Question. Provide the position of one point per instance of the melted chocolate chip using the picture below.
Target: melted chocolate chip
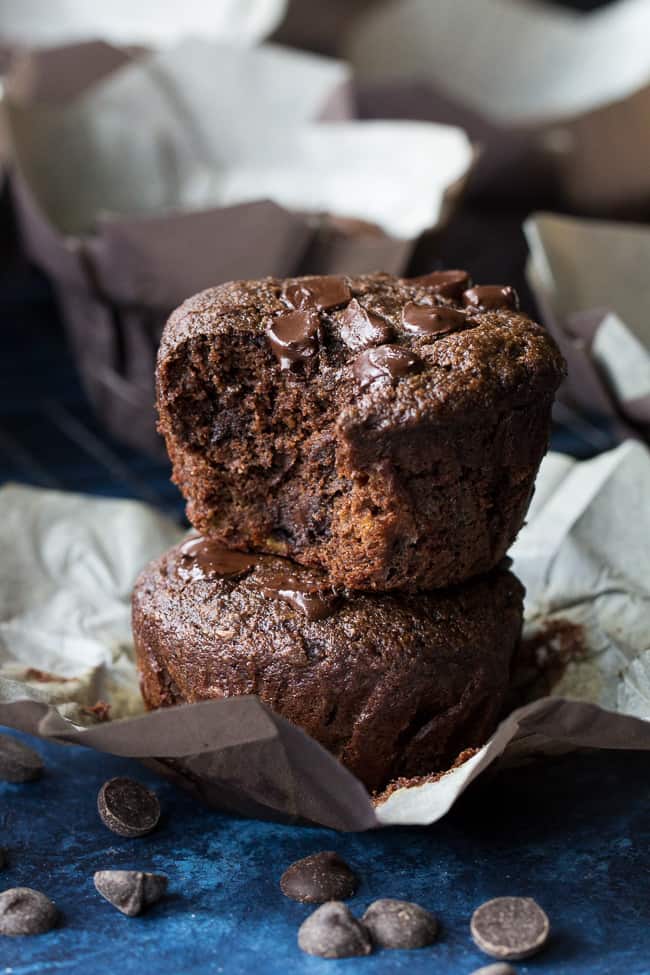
(302, 589)
(323, 292)
(429, 319)
(384, 362)
(294, 336)
(449, 284)
(214, 560)
(487, 297)
(361, 328)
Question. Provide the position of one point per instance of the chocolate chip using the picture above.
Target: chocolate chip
(322, 292)
(510, 927)
(127, 807)
(400, 924)
(26, 911)
(318, 878)
(18, 763)
(429, 319)
(332, 932)
(449, 284)
(212, 559)
(499, 968)
(130, 891)
(384, 362)
(303, 589)
(361, 328)
(488, 297)
(294, 336)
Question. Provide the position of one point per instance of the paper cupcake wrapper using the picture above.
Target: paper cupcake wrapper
(69, 564)
(562, 97)
(591, 284)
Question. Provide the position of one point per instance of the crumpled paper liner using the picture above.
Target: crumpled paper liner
(151, 22)
(65, 581)
(565, 93)
(590, 279)
(244, 168)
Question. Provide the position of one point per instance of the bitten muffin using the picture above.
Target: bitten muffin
(385, 430)
(396, 684)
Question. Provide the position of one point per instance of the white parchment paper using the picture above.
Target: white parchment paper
(591, 281)
(205, 125)
(69, 563)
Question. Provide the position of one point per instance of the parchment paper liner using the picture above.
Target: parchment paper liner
(590, 279)
(558, 99)
(69, 564)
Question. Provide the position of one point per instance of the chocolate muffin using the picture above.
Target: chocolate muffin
(385, 430)
(394, 684)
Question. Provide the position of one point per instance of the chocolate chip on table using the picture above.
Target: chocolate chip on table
(318, 878)
(130, 891)
(127, 807)
(26, 911)
(499, 968)
(333, 932)
(18, 763)
(400, 924)
(510, 927)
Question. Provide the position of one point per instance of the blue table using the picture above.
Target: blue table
(572, 832)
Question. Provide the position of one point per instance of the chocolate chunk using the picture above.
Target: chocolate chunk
(26, 911)
(318, 878)
(510, 927)
(215, 560)
(429, 319)
(499, 968)
(488, 297)
(333, 932)
(400, 924)
(361, 328)
(322, 292)
(303, 589)
(449, 284)
(384, 362)
(130, 891)
(294, 336)
(127, 807)
(18, 763)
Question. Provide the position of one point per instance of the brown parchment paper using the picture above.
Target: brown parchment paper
(552, 92)
(69, 563)
(590, 279)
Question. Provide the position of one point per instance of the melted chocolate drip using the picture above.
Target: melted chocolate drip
(449, 284)
(302, 589)
(361, 328)
(385, 362)
(294, 336)
(488, 297)
(214, 560)
(429, 319)
(323, 292)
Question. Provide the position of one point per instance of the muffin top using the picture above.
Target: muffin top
(414, 345)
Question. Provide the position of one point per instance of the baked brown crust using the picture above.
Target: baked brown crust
(394, 685)
(416, 481)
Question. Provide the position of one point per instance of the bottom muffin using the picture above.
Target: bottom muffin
(395, 685)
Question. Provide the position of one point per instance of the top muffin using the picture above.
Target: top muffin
(386, 430)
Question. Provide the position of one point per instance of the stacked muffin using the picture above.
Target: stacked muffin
(358, 453)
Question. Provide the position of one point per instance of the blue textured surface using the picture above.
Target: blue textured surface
(574, 833)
